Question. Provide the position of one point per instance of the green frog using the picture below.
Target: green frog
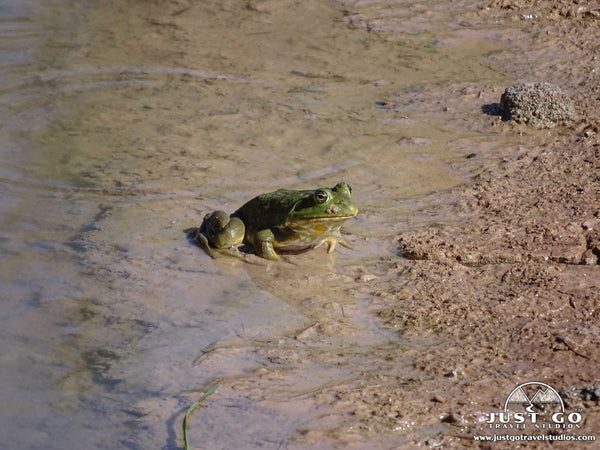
(285, 219)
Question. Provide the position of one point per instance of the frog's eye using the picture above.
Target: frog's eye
(321, 196)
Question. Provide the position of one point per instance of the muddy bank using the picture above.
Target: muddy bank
(510, 288)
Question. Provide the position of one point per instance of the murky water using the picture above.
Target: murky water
(121, 123)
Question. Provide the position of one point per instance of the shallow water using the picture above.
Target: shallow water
(122, 123)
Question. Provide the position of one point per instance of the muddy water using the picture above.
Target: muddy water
(123, 122)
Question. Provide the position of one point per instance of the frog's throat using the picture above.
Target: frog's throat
(310, 233)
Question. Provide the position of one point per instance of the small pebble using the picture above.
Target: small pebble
(589, 258)
(366, 277)
(450, 418)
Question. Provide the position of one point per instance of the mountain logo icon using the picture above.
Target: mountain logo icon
(541, 395)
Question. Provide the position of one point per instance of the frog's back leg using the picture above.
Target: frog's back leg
(221, 230)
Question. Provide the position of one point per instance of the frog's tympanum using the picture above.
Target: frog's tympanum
(285, 219)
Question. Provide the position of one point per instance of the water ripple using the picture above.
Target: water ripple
(110, 78)
(57, 189)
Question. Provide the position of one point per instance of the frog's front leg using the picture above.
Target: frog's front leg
(220, 230)
(263, 244)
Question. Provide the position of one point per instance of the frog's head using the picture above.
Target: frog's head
(324, 204)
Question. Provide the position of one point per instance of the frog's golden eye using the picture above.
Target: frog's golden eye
(321, 196)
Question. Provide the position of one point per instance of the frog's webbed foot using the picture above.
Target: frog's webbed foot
(203, 243)
(343, 243)
(331, 243)
(196, 235)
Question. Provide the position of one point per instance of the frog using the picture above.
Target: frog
(283, 220)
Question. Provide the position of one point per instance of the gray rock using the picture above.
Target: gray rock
(541, 105)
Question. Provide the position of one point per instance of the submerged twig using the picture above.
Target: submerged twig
(570, 346)
(191, 409)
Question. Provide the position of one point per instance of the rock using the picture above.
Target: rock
(541, 105)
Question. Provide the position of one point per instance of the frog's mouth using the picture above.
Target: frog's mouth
(304, 220)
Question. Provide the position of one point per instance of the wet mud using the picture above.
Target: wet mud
(475, 255)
